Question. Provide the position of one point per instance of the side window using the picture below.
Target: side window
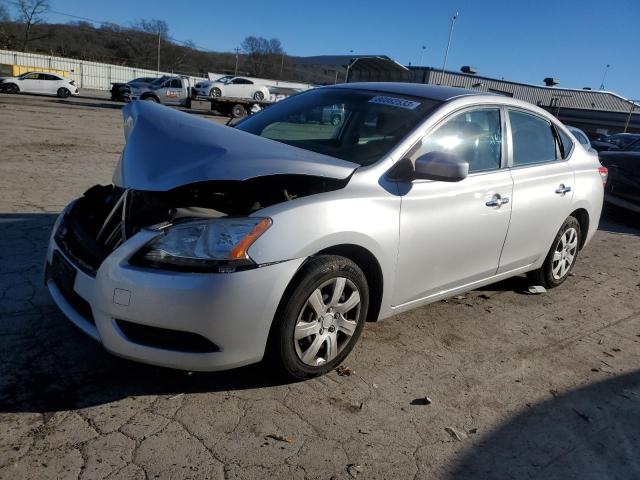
(565, 142)
(31, 76)
(175, 83)
(533, 139)
(475, 136)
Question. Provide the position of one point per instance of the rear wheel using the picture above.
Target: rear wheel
(561, 257)
(63, 93)
(238, 111)
(321, 317)
(12, 88)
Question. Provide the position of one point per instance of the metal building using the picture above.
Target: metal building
(595, 112)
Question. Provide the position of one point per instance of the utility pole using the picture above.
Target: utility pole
(422, 55)
(446, 52)
(604, 76)
(236, 70)
(632, 106)
(282, 66)
(159, 36)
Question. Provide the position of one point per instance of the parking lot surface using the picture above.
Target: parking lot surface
(497, 383)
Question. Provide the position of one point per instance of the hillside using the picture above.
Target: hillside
(137, 48)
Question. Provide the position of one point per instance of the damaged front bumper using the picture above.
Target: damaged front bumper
(191, 321)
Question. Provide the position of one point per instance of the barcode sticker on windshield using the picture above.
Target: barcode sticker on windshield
(395, 102)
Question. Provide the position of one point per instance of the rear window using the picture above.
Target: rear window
(356, 125)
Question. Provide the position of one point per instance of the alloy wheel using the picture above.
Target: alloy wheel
(327, 321)
(565, 253)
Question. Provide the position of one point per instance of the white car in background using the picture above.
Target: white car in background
(237, 87)
(40, 82)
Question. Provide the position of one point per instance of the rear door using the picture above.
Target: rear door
(50, 83)
(542, 188)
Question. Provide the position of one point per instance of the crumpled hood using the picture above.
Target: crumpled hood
(167, 148)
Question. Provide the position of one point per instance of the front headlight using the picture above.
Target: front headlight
(216, 245)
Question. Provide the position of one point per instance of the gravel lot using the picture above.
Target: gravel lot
(521, 386)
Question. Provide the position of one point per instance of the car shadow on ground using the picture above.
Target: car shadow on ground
(46, 364)
(589, 433)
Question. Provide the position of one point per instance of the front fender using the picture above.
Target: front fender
(303, 227)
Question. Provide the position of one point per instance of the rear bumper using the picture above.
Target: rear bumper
(233, 312)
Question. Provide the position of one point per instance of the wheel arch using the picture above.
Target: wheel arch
(582, 216)
(371, 268)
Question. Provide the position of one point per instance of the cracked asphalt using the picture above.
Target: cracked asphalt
(520, 386)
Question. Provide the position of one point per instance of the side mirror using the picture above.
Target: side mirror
(441, 166)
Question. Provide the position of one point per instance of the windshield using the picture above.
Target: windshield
(360, 126)
(224, 79)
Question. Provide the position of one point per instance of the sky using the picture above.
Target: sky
(520, 40)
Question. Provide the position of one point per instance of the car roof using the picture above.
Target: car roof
(433, 92)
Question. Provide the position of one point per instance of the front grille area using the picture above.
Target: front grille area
(166, 339)
(93, 227)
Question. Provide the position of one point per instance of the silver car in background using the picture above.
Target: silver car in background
(216, 247)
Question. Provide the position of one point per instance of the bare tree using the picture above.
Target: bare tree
(262, 53)
(30, 12)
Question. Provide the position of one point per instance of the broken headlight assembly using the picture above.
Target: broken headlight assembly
(216, 245)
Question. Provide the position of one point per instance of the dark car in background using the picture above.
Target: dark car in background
(623, 184)
(118, 90)
(617, 141)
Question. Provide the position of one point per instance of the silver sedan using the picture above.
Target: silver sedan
(217, 247)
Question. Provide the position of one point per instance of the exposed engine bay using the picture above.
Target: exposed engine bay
(106, 216)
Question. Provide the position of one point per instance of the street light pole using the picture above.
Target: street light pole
(606, 69)
(422, 55)
(235, 74)
(446, 52)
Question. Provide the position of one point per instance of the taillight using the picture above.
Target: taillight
(604, 174)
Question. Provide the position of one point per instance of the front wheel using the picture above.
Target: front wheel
(321, 317)
(561, 257)
(11, 88)
(215, 92)
(150, 98)
(259, 96)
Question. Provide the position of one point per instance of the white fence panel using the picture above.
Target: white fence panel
(94, 75)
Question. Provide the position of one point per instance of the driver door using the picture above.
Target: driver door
(31, 83)
(452, 233)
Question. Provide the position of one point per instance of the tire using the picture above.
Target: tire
(215, 92)
(561, 257)
(11, 88)
(335, 120)
(238, 111)
(63, 93)
(259, 96)
(150, 98)
(332, 335)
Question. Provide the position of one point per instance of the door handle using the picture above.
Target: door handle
(497, 201)
(562, 189)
